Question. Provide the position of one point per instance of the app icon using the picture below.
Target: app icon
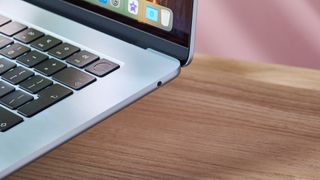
(104, 1)
(133, 6)
(115, 3)
(152, 13)
(165, 17)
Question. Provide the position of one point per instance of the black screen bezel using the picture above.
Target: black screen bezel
(116, 28)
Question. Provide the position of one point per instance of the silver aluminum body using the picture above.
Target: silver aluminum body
(140, 72)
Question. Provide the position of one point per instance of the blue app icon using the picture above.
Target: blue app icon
(152, 13)
(104, 1)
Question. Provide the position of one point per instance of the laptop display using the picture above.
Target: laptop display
(169, 19)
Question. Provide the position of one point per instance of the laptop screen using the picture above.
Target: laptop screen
(168, 19)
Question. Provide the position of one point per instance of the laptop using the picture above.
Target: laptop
(66, 65)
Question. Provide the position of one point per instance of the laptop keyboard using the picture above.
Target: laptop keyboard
(61, 68)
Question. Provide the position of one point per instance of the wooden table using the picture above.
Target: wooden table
(221, 119)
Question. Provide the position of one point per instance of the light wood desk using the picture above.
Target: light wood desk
(220, 119)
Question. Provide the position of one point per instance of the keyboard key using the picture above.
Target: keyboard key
(12, 28)
(17, 75)
(4, 20)
(28, 35)
(47, 98)
(8, 120)
(82, 59)
(14, 51)
(45, 43)
(5, 89)
(74, 78)
(35, 84)
(32, 58)
(4, 42)
(63, 51)
(102, 67)
(6, 65)
(50, 67)
(16, 99)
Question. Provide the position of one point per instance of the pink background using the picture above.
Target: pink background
(273, 31)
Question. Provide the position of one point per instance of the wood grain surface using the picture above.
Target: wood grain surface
(221, 119)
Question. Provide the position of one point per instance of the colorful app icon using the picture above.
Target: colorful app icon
(133, 7)
(104, 1)
(165, 17)
(152, 13)
(115, 3)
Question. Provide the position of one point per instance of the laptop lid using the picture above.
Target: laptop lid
(167, 26)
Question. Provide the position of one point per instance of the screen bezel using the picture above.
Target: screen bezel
(122, 31)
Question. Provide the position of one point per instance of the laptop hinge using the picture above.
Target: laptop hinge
(162, 54)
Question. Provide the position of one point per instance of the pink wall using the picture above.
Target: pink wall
(275, 31)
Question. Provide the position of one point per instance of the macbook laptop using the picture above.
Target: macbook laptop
(66, 65)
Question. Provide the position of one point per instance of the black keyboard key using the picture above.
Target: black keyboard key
(35, 84)
(14, 51)
(5, 89)
(102, 67)
(17, 75)
(16, 99)
(50, 67)
(47, 98)
(12, 28)
(32, 58)
(82, 59)
(4, 20)
(4, 42)
(63, 51)
(8, 120)
(28, 35)
(6, 65)
(45, 43)
(74, 78)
